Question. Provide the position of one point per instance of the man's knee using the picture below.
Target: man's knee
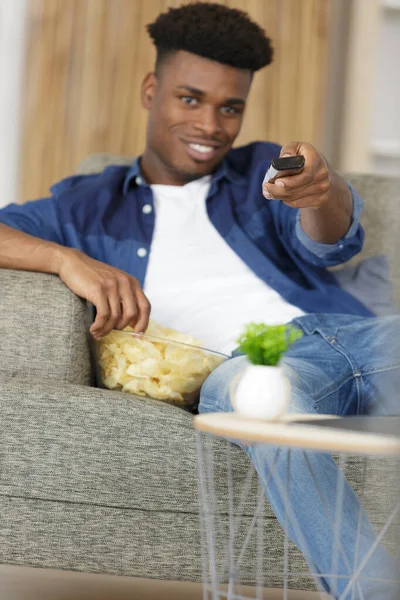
(215, 393)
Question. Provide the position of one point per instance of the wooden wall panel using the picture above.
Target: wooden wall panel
(86, 60)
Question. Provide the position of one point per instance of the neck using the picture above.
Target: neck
(156, 172)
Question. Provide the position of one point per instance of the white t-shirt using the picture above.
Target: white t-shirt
(195, 282)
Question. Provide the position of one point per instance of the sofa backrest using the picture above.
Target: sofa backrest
(43, 329)
(380, 219)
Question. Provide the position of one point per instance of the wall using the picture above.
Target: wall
(12, 66)
(385, 131)
(86, 60)
(370, 121)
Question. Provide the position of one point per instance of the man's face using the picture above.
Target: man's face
(196, 109)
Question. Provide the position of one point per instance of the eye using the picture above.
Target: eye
(230, 110)
(189, 100)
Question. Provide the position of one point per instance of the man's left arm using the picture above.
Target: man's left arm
(329, 208)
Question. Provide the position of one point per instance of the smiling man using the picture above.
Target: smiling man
(192, 223)
(195, 112)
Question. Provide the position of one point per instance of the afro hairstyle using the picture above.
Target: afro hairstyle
(213, 31)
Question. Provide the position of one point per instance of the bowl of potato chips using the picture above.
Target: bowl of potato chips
(162, 364)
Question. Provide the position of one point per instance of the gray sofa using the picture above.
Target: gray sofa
(104, 482)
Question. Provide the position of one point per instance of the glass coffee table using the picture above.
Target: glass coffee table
(364, 439)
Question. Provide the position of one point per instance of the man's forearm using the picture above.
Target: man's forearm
(331, 221)
(25, 252)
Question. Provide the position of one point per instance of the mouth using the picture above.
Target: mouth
(202, 152)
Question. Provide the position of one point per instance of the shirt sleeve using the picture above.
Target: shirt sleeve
(38, 218)
(326, 255)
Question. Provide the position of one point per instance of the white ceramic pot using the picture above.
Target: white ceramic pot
(261, 392)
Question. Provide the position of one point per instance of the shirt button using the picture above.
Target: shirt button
(147, 208)
(341, 246)
(139, 180)
(142, 252)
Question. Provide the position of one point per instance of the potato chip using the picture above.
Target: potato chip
(161, 369)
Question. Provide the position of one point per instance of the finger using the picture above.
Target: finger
(290, 149)
(310, 153)
(307, 196)
(320, 190)
(114, 301)
(305, 177)
(102, 314)
(314, 162)
(291, 182)
(282, 191)
(278, 190)
(130, 311)
(303, 180)
(144, 307)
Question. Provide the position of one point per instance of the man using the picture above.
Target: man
(192, 224)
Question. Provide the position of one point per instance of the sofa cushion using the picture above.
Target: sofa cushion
(42, 332)
(77, 444)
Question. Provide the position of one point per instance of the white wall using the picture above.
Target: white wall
(385, 140)
(370, 123)
(12, 53)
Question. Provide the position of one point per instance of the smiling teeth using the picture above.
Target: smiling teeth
(203, 149)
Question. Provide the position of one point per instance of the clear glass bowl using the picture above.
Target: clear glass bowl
(155, 367)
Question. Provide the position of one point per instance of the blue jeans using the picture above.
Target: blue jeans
(343, 365)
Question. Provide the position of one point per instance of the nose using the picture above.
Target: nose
(208, 121)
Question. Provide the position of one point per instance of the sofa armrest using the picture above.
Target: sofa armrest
(43, 329)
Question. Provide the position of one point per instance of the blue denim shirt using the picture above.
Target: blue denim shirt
(110, 216)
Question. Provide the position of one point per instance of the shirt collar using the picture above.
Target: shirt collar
(134, 175)
(224, 171)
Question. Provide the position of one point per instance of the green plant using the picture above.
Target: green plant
(265, 344)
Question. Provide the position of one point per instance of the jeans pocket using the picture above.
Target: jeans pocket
(344, 399)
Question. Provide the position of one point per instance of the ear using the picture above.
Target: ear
(147, 90)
